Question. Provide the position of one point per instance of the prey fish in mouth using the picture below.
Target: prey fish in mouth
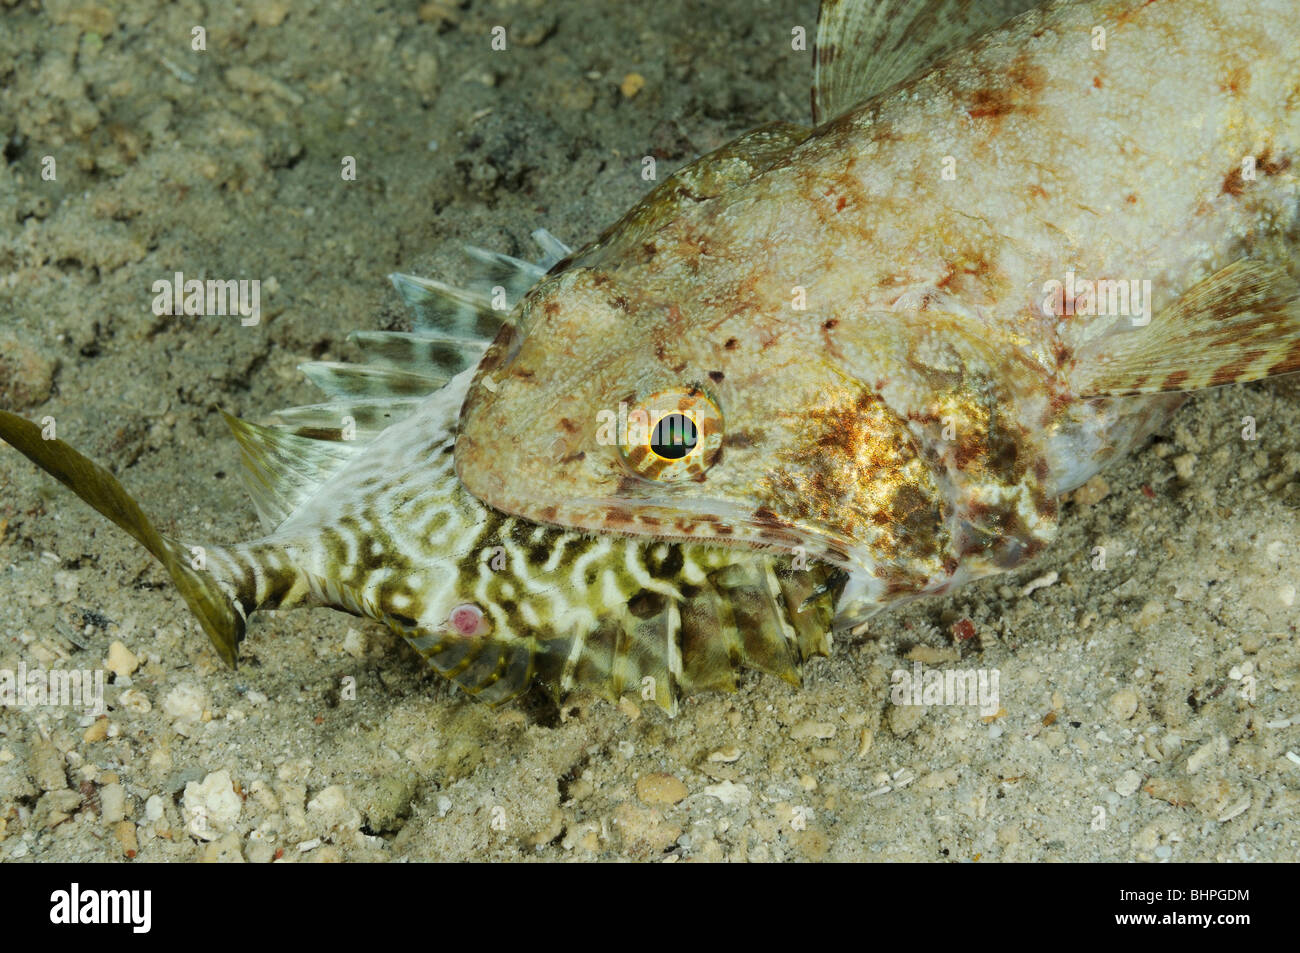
(997, 261)
(363, 513)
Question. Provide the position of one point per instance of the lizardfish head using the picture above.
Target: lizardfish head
(608, 409)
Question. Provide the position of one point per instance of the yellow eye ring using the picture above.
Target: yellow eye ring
(675, 434)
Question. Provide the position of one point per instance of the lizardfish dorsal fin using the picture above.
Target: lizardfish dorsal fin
(1240, 324)
(492, 286)
(866, 46)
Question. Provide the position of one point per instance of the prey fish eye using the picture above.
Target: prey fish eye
(675, 434)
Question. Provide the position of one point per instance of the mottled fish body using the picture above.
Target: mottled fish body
(894, 339)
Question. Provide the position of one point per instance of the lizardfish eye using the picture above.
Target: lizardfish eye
(467, 620)
(675, 434)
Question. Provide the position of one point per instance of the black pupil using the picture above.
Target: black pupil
(674, 436)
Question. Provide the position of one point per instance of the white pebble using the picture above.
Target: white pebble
(331, 809)
(354, 643)
(121, 661)
(186, 702)
(112, 802)
(153, 808)
(1042, 582)
(1128, 783)
(211, 807)
(729, 793)
(134, 700)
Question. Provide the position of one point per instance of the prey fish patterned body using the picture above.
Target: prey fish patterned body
(364, 514)
(894, 339)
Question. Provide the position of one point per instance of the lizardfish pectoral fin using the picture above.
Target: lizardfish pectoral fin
(1240, 324)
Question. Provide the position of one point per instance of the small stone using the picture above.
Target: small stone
(1042, 582)
(258, 849)
(642, 830)
(54, 807)
(330, 809)
(223, 850)
(820, 730)
(1092, 492)
(186, 702)
(632, 84)
(97, 731)
(938, 780)
(660, 788)
(825, 754)
(1185, 466)
(1286, 595)
(153, 808)
(437, 10)
(135, 701)
(424, 75)
(124, 831)
(725, 755)
(66, 585)
(630, 708)
(865, 740)
(930, 655)
(211, 807)
(354, 643)
(1200, 757)
(26, 374)
(1128, 783)
(270, 13)
(1123, 704)
(121, 661)
(112, 803)
(45, 766)
(729, 793)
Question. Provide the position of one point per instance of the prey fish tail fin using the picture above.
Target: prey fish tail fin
(221, 586)
(1240, 324)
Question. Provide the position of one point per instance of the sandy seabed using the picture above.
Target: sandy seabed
(1147, 710)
